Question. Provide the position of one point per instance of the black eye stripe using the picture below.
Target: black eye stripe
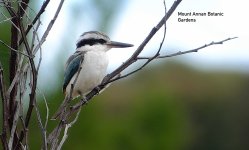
(90, 42)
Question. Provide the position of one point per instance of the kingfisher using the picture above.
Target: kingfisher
(88, 63)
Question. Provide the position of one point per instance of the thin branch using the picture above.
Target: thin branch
(49, 27)
(39, 119)
(47, 108)
(35, 35)
(25, 130)
(13, 83)
(13, 62)
(6, 20)
(170, 55)
(22, 7)
(12, 21)
(34, 80)
(22, 91)
(9, 8)
(14, 49)
(14, 125)
(66, 129)
(43, 129)
(37, 17)
(192, 50)
(151, 58)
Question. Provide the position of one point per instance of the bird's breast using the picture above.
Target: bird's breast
(93, 70)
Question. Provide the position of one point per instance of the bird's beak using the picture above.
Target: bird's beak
(114, 44)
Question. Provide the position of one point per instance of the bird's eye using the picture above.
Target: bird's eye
(90, 42)
(101, 41)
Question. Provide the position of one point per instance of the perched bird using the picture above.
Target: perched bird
(91, 60)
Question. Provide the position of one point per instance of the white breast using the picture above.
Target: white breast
(92, 72)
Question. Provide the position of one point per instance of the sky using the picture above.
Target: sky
(137, 17)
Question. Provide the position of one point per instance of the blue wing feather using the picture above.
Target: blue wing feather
(72, 66)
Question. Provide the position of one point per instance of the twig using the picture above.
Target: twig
(13, 62)
(22, 7)
(9, 8)
(66, 129)
(43, 7)
(192, 50)
(149, 59)
(35, 34)
(43, 129)
(47, 108)
(7, 19)
(49, 27)
(16, 78)
(14, 125)
(14, 49)
(34, 80)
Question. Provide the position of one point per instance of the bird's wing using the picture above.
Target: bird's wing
(72, 66)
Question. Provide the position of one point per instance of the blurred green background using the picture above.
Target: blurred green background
(168, 105)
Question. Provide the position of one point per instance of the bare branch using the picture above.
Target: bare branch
(12, 60)
(166, 56)
(148, 60)
(21, 63)
(10, 9)
(7, 19)
(49, 27)
(22, 7)
(43, 129)
(34, 75)
(192, 50)
(66, 129)
(47, 108)
(37, 17)
(14, 81)
(14, 49)
(14, 125)
(4, 109)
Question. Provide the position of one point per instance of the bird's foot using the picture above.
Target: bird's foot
(84, 100)
(97, 89)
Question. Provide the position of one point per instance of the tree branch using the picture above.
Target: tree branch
(22, 69)
(33, 80)
(4, 109)
(37, 17)
(192, 50)
(49, 27)
(22, 7)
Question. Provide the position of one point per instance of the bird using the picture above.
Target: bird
(86, 68)
(91, 60)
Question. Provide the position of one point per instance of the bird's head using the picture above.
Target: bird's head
(94, 40)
